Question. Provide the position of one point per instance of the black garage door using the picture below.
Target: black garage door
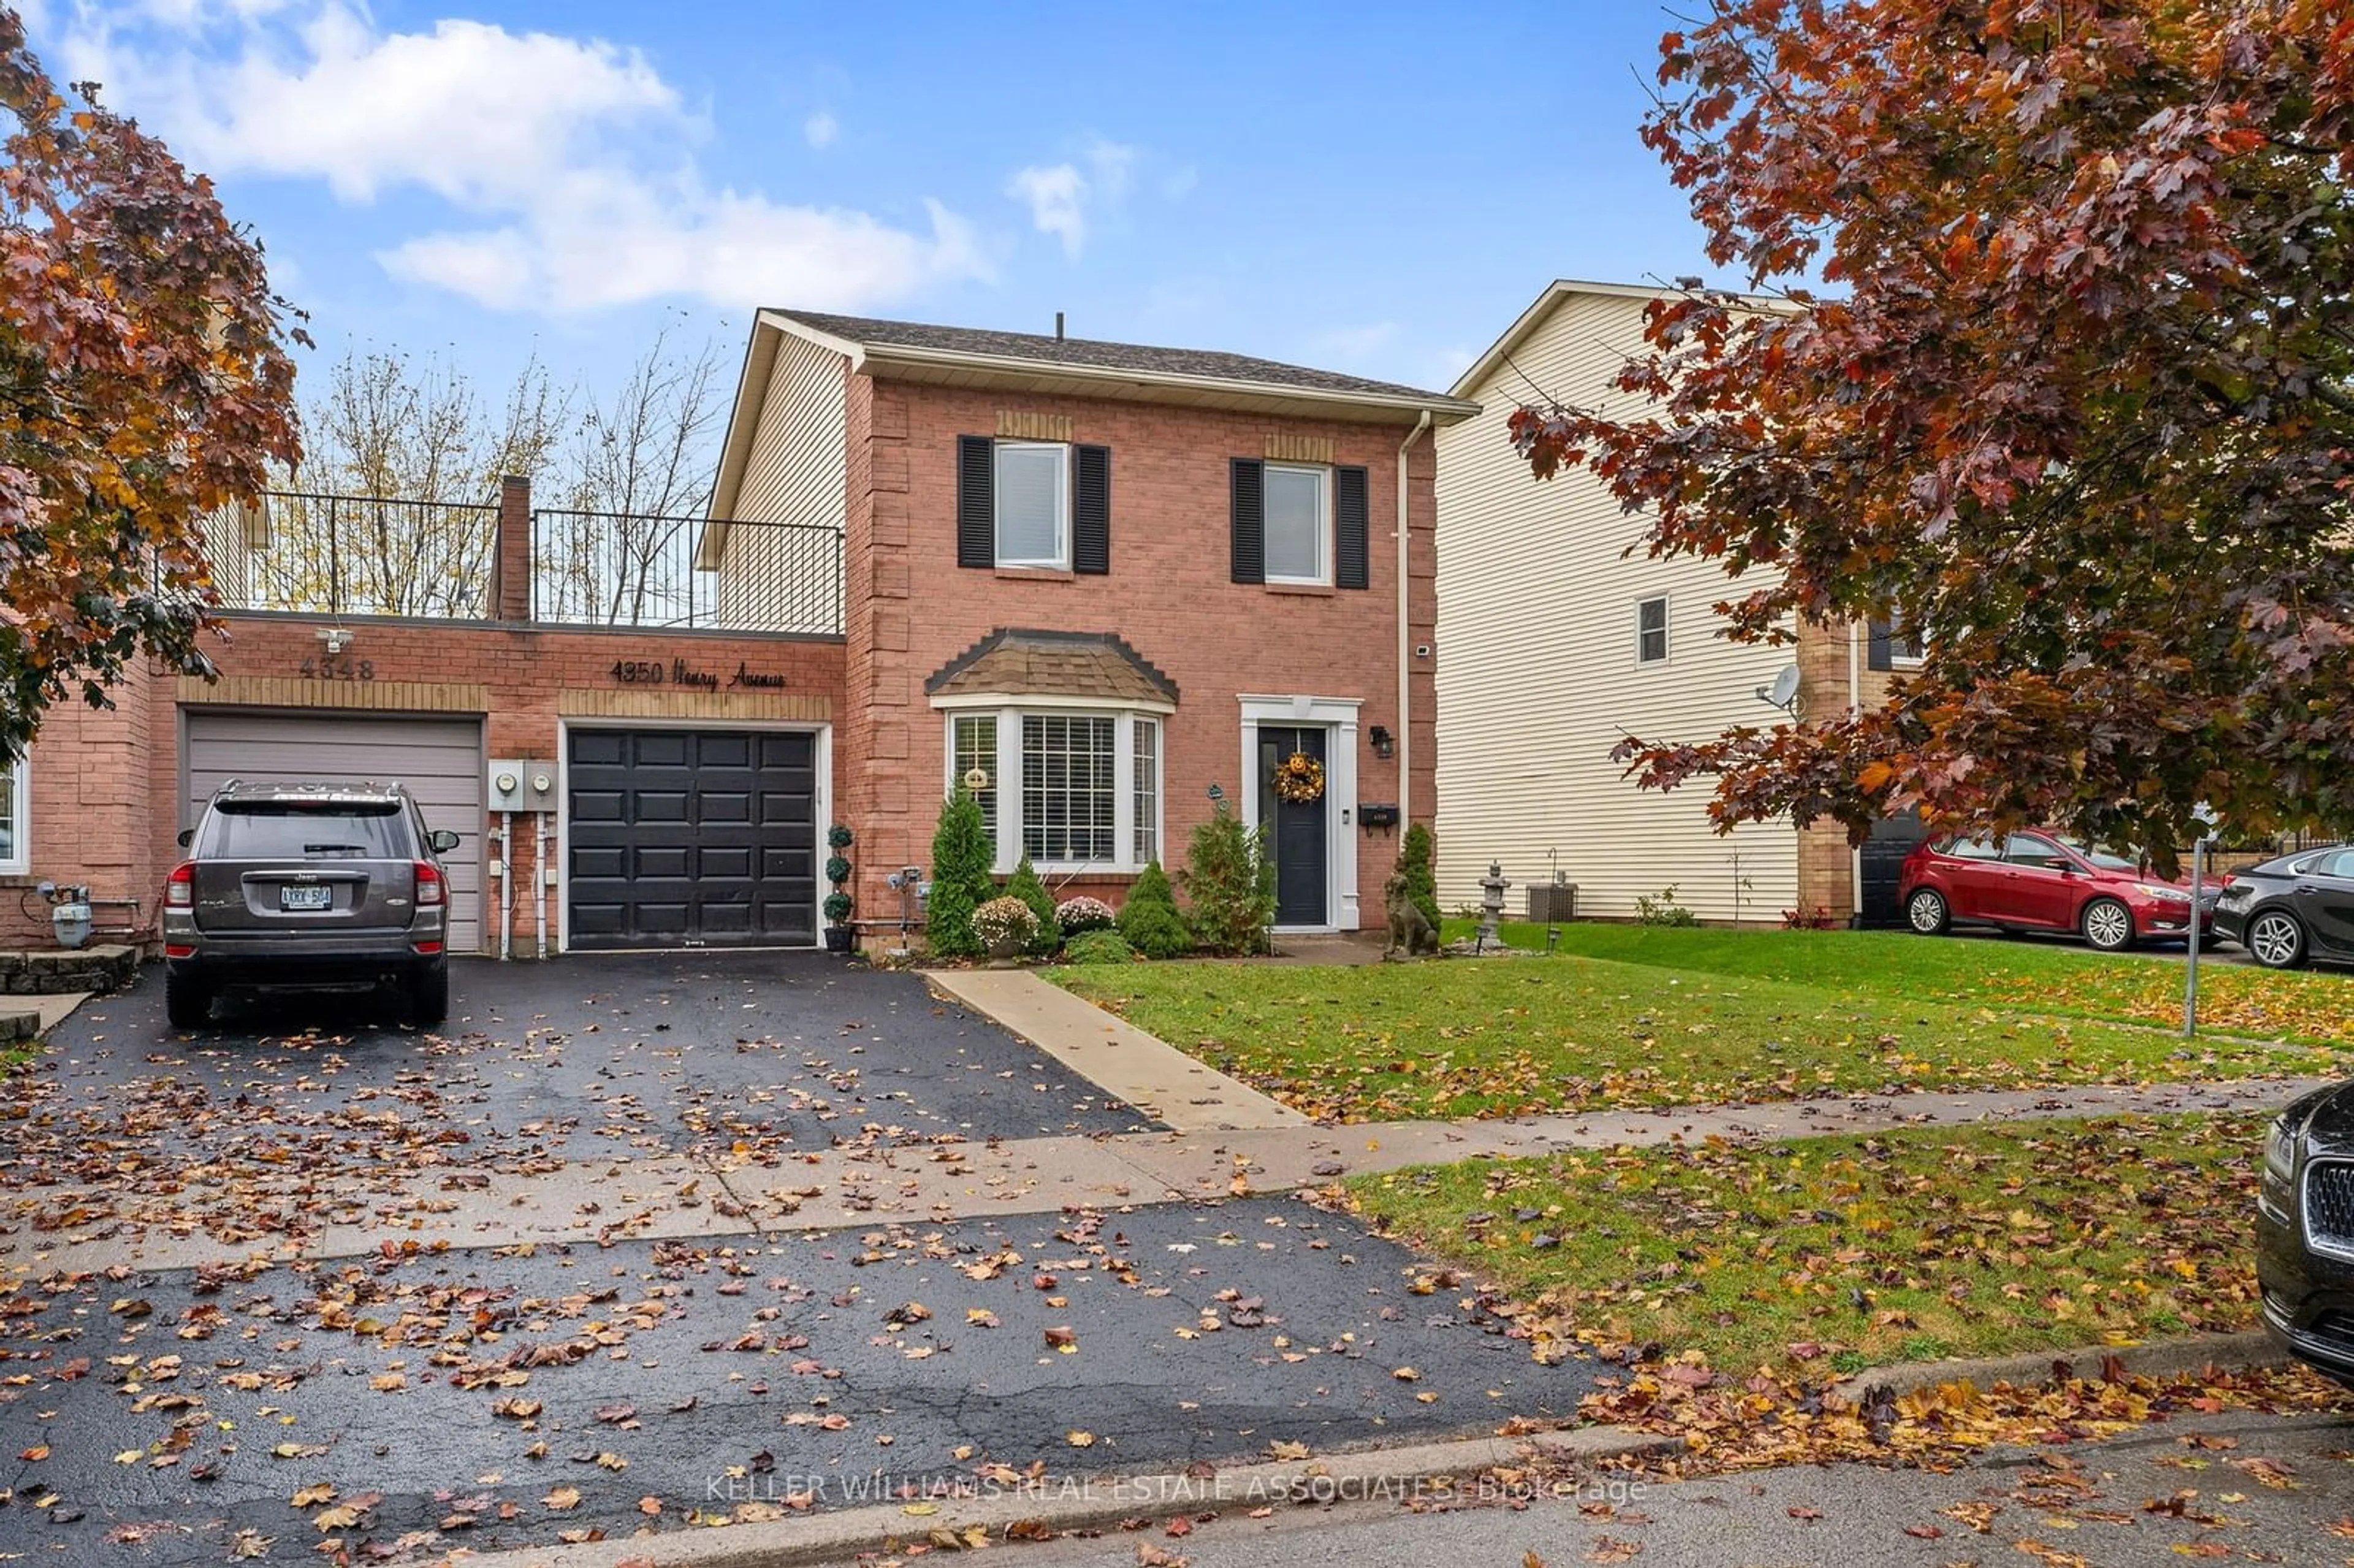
(692, 838)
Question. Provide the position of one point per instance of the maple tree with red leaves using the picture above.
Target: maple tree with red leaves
(2074, 401)
(145, 383)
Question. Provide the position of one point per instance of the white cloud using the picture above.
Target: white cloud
(1057, 198)
(1059, 195)
(819, 129)
(569, 161)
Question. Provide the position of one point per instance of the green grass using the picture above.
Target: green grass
(1830, 1255)
(1506, 1037)
(2317, 1006)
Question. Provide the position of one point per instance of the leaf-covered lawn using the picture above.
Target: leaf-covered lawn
(1829, 1255)
(2314, 1005)
(1508, 1037)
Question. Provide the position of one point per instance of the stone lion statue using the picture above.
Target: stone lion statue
(1410, 928)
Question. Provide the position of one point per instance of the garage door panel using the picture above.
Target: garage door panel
(438, 760)
(715, 830)
(727, 861)
(654, 863)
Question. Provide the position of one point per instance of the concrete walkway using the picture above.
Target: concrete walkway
(1223, 1139)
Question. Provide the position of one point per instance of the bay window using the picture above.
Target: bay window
(1074, 787)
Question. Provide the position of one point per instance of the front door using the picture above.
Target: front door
(2325, 900)
(2039, 890)
(1296, 829)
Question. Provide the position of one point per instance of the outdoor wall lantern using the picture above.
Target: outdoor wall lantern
(1384, 743)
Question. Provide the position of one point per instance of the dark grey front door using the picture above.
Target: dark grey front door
(1295, 830)
(1891, 840)
(692, 838)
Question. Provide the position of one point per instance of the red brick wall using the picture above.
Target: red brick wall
(1169, 594)
(106, 784)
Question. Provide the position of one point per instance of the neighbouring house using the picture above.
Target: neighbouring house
(1558, 642)
(1099, 580)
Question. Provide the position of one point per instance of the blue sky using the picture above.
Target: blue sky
(1368, 187)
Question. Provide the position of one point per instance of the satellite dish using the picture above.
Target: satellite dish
(1783, 692)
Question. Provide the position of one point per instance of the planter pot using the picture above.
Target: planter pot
(840, 939)
(1005, 952)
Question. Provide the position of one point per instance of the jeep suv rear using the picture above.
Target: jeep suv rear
(307, 885)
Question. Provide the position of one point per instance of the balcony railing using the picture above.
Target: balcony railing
(355, 555)
(319, 554)
(614, 568)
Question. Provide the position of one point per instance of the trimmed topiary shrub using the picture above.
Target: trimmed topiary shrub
(1230, 881)
(1413, 860)
(1081, 914)
(1150, 920)
(1024, 884)
(961, 884)
(1100, 945)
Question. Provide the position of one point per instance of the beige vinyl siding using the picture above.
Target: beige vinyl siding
(1537, 675)
(769, 577)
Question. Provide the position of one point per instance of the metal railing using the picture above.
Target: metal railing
(315, 553)
(618, 568)
(355, 554)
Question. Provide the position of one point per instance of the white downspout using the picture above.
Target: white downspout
(539, 880)
(1854, 707)
(1406, 637)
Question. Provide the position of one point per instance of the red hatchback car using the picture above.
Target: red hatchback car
(2042, 882)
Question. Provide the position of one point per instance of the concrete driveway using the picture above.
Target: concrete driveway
(645, 1243)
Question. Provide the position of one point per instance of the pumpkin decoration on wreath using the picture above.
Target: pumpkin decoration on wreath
(1299, 779)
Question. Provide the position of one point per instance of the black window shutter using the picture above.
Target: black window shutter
(976, 500)
(1877, 655)
(1091, 509)
(1350, 566)
(1249, 487)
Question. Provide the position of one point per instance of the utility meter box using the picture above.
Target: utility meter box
(522, 784)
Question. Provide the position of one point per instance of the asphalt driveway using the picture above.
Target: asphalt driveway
(304, 1372)
(756, 1058)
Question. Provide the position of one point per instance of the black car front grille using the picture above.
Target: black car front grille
(2329, 1205)
(2338, 1328)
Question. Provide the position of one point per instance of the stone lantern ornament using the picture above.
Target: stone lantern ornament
(1492, 906)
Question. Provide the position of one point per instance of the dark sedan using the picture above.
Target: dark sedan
(2293, 909)
(2305, 1231)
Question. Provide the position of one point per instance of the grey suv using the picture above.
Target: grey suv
(307, 885)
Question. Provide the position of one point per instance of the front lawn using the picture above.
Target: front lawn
(1829, 1255)
(1513, 1036)
(2314, 1005)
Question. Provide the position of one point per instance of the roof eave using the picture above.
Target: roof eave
(1561, 289)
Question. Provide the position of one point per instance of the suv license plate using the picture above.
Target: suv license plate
(306, 897)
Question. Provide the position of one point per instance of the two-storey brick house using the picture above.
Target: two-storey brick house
(1099, 581)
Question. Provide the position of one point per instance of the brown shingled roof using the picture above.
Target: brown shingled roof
(1094, 355)
(1014, 662)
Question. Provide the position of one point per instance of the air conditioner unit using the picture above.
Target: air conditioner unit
(1552, 903)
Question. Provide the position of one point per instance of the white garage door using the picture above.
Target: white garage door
(438, 760)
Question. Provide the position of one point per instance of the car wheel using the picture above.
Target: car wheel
(187, 1000)
(2275, 940)
(1926, 913)
(428, 995)
(2108, 925)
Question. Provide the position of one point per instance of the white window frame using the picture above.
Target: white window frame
(1006, 777)
(1667, 629)
(1324, 531)
(1061, 559)
(1897, 638)
(19, 772)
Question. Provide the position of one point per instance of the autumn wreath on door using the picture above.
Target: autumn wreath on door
(1299, 779)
